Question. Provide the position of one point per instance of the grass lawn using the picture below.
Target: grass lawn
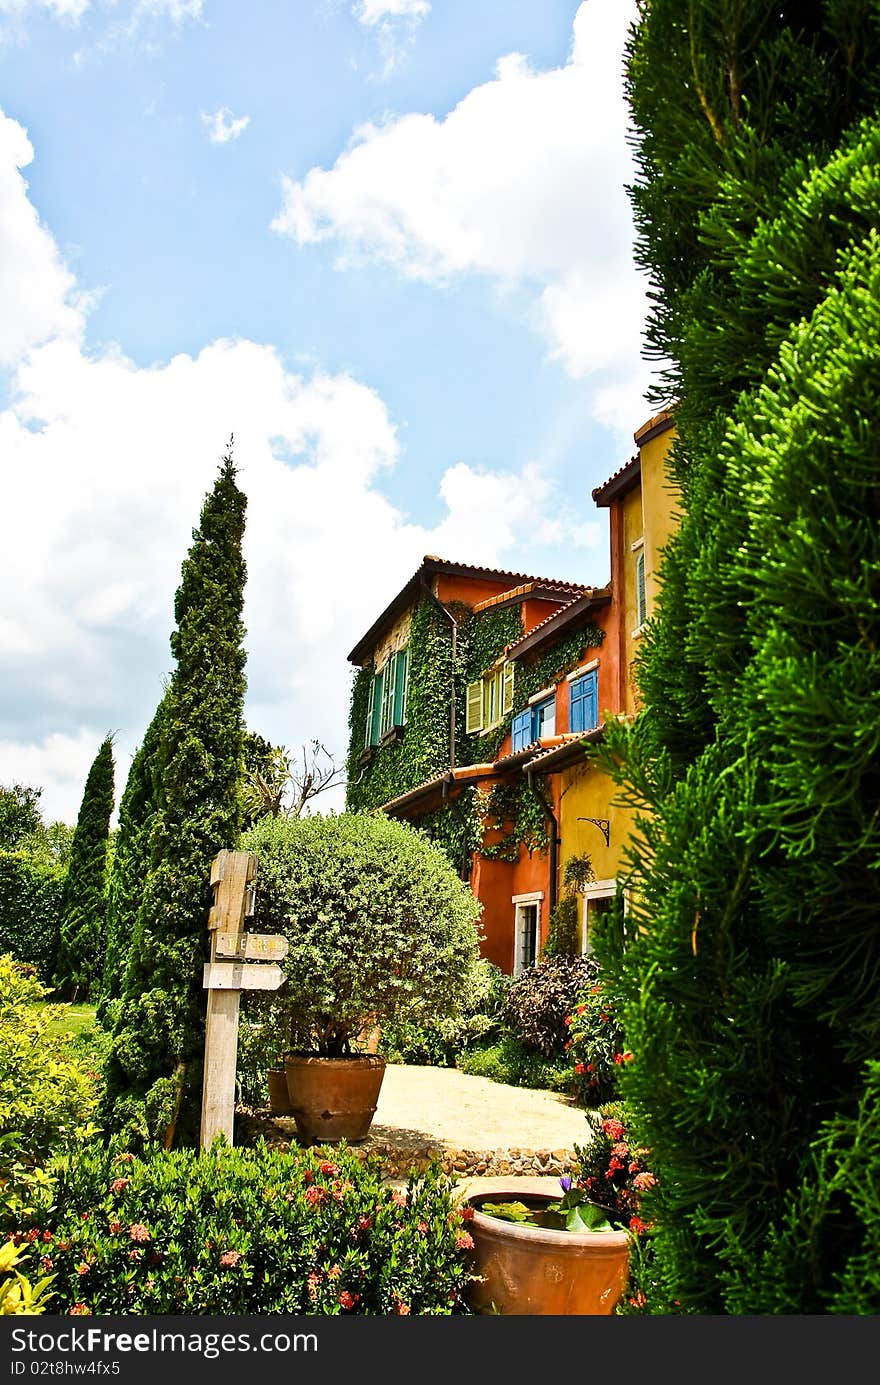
(75, 1020)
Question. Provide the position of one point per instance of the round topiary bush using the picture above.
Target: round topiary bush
(380, 926)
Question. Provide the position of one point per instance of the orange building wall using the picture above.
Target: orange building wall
(468, 590)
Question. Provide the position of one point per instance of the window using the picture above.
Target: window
(489, 699)
(598, 903)
(386, 705)
(526, 931)
(584, 702)
(536, 721)
(641, 604)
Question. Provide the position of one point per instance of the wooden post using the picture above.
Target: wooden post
(231, 876)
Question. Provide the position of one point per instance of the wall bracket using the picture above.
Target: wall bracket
(603, 825)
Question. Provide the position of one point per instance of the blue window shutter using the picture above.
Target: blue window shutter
(592, 701)
(576, 705)
(402, 658)
(521, 731)
(584, 702)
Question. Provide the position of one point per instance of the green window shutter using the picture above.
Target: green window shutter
(388, 692)
(641, 602)
(507, 682)
(400, 682)
(474, 707)
(368, 729)
(378, 688)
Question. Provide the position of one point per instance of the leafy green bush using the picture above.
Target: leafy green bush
(510, 1061)
(246, 1231)
(30, 909)
(379, 924)
(48, 1095)
(540, 999)
(439, 1044)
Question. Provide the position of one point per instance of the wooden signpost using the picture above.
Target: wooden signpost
(232, 876)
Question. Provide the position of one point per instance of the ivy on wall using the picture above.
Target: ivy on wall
(422, 753)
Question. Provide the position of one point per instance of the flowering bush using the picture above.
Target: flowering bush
(595, 1047)
(244, 1231)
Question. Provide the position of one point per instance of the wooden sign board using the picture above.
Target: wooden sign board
(241, 976)
(252, 947)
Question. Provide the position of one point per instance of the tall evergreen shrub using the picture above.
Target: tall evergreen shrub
(80, 959)
(750, 994)
(155, 1070)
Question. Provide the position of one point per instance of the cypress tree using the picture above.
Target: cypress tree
(131, 858)
(750, 992)
(155, 1070)
(84, 899)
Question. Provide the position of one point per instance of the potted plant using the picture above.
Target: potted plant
(380, 928)
(561, 1246)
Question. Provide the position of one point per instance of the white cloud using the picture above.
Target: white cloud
(523, 181)
(37, 290)
(223, 126)
(105, 465)
(372, 12)
(62, 9)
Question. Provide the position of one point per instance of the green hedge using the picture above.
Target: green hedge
(30, 909)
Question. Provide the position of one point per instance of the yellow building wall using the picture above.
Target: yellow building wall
(588, 792)
(659, 502)
(631, 513)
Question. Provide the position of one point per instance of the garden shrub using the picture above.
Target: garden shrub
(48, 1094)
(30, 909)
(511, 1062)
(539, 1001)
(380, 926)
(562, 936)
(596, 1046)
(441, 1043)
(246, 1231)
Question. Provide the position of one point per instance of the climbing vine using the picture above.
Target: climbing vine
(382, 772)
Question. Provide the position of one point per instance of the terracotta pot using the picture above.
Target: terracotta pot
(526, 1269)
(279, 1100)
(333, 1099)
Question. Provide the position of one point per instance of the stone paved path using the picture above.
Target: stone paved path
(473, 1125)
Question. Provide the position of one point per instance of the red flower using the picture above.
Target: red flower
(467, 1213)
(82, 1269)
(620, 1149)
(326, 1167)
(315, 1195)
(118, 1184)
(47, 1235)
(402, 1309)
(612, 1128)
(138, 1232)
(464, 1240)
(398, 1198)
(79, 1310)
(364, 1223)
(348, 1300)
(45, 1264)
(644, 1180)
(230, 1257)
(32, 1234)
(115, 1227)
(579, 1068)
(637, 1225)
(123, 1158)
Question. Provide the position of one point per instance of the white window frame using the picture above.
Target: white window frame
(597, 889)
(521, 902)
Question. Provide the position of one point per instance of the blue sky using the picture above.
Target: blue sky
(385, 243)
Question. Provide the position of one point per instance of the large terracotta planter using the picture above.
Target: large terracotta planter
(333, 1099)
(279, 1098)
(526, 1269)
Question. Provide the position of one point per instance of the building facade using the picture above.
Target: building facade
(476, 694)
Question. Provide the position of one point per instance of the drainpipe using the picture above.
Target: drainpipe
(554, 835)
(450, 617)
